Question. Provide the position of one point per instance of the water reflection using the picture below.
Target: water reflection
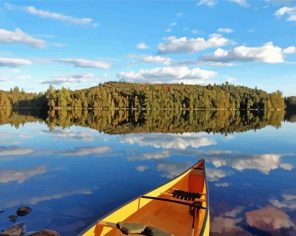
(167, 121)
(88, 173)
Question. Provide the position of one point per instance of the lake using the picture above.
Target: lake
(74, 167)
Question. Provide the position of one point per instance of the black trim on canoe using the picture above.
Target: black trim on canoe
(122, 205)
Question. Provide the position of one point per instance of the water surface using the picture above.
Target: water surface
(74, 168)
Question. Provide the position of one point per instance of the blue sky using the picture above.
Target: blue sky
(82, 43)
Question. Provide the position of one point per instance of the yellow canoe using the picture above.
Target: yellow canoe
(180, 207)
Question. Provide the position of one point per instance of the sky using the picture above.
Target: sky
(79, 44)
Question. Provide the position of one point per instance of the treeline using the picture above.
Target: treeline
(169, 121)
(15, 98)
(124, 95)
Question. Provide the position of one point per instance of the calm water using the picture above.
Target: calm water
(73, 173)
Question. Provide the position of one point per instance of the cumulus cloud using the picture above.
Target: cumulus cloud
(172, 169)
(20, 175)
(242, 3)
(190, 45)
(142, 168)
(67, 134)
(169, 74)
(223, 184)
(267, 53)
(79, 62)
(288, 201)
(14, 151)
(18, 36)
(152, 59)
(225, 30)
(14, 62)
(52, 15)
(209, 3)
(234, 212)
(142, 46)
(168, 141)
(263, 162)
(156, 155)
(225, 226)
(289, 50)
(38, 199)
(289, 11)
(83, 151)
(214, 175)
(71, 78)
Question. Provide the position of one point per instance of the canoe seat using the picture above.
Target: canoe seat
(137, 228)
(191, 196)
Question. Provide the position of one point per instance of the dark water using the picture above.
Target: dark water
(73, 168)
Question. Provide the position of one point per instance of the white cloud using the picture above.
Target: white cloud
(52, 15)
(223, 184)
(142, 46)
(142, 168)
(83, 151)
(177, 74)
(234, 212)
(79, 62)
(20, 176)
(225, 30)
(172, 169)
(209, 3)
(38, 199)
(18, 36)
(152, 59)
(268, 53)
(168, 141)
(14, 151)
(290, 50)
(67, 79)
(214, 175)
(288, 201)
(67, 134)
(190, 45)
(289, 11)
(225, 226)
(263, 162)
(156, 155)
(14, 62)
(242, 3)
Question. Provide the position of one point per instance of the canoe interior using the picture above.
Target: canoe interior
(171, 217)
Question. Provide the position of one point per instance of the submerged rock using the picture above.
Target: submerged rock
(44, 232)
(269, 218)
(12, 218)
(15, 230)
(22, 211)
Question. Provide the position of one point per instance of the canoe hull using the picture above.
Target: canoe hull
(169, 216)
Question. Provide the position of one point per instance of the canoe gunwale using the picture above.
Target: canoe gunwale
(126, 203)
(207, 204)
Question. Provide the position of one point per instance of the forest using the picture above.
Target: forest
(168, 121)
(147, 97)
